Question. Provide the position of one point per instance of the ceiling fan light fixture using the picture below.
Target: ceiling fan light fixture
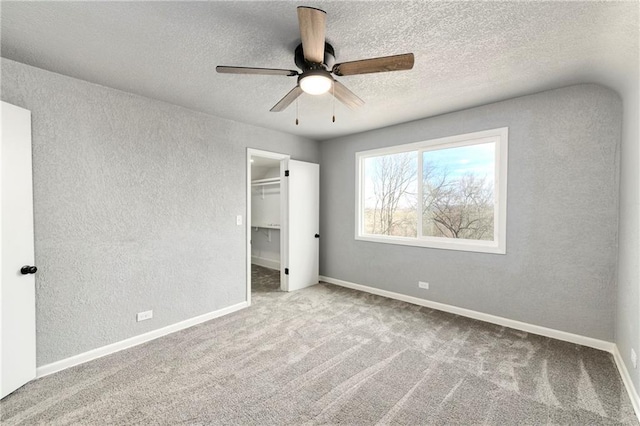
(315, 82)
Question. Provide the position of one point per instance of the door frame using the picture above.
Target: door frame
(284, 223)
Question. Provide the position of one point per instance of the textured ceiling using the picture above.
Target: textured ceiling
(467, 53)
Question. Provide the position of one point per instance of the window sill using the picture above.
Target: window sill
(437, 243)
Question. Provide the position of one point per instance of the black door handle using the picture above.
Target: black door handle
(28, 270)
(317, 235)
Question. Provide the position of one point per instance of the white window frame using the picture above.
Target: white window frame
(500, 137)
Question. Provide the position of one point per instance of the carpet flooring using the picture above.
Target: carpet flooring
(329, 355)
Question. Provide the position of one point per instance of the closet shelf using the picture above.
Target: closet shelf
(262, 182)
(266, 226)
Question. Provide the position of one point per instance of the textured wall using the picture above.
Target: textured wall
(135, 204)
(628, 321)
(560, 266)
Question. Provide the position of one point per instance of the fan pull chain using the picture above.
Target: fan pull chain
(333, 93)
(296, 112)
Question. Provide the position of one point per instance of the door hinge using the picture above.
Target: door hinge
(286, 173)
(286, 271)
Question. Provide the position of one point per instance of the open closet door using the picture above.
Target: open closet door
(17, 284)
(303, 196)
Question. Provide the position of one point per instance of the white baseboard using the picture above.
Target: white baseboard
(626, 379)
(518, 325)
(506, 322)
(63, 364)
(267, 263)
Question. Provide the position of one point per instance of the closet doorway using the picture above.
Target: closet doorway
(266, 214)
(282, 219)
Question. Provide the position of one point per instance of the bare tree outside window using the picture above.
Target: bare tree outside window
(447, 193)
(458, 193)
(390, 195)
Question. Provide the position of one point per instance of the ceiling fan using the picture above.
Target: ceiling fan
(316, 58)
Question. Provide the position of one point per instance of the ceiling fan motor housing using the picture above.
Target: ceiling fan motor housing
(328, 62)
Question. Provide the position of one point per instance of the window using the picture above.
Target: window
(447, 193)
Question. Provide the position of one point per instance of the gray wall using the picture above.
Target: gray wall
(562, 220)
(628, 318)
(135, 205)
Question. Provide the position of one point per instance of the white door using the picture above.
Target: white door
(17, 285)
(303, 196)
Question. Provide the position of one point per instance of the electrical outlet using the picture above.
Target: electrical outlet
(423, 284)
(239, 220)
(634, 359)
(144, 315)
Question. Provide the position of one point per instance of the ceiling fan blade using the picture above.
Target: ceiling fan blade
(312, 23)
(382, 64)
(286, 101)
(346, 96)
(248, 70)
